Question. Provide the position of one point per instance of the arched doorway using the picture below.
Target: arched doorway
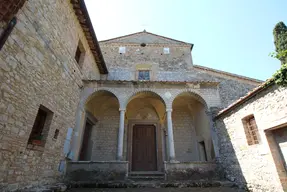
(145, 114)
(99, 137)
(191, 128)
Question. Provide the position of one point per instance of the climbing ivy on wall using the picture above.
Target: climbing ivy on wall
(280, 77)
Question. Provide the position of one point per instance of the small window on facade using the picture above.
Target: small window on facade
(41, 127)
(251, 130)
(5, 34)
(122, 50)
(166, 50)
(144, 75)
(56, 134)
(80, 54)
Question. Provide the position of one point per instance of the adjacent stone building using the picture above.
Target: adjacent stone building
(132, 105)
(252, 138)
(46, 50)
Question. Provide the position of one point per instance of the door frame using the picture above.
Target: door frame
(87, 117)
(158, 133)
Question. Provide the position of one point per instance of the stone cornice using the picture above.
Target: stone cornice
(145, 32)
(193, 84)
(117, 44)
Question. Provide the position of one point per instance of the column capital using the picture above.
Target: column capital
(169, 110)
(208, 112)
(122, 109)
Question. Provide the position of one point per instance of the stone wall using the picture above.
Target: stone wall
(184, 135)
(179, 59)
(253, 164)
(37, 67)
(192, 171)
(83, 172)
(104, 136)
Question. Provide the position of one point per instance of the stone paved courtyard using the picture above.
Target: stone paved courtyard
(196, 189)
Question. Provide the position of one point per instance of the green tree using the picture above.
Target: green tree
(280, 41)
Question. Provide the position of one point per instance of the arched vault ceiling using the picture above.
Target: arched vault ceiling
(139, 103)
(187, 102)
(100, 103)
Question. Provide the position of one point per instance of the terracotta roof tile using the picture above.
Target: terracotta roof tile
(85, 22)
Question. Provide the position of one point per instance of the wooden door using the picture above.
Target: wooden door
(144, 148)
(86, 150)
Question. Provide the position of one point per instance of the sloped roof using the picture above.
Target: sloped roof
(256, 81)
(9, 8)
(145, 37)
(244, 99)
(86, 24)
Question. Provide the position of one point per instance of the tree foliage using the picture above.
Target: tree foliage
(280, 41)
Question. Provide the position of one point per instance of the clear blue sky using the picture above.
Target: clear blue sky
(229, 35)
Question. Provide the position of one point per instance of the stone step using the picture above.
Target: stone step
(145, 178)
(152, 184)
(146, 173)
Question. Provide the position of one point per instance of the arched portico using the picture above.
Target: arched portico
(96, 137)
(170, 124)
(176, 121)
(145, 115)
(191, 127)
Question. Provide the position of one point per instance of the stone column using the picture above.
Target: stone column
(170, 135)
(213, 134)
(121, 135)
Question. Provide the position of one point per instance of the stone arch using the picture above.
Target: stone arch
(103, 105)
(196, 95)
(99, 91)
(189, 116)
(146, 91)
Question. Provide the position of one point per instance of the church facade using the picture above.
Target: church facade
(153, 111)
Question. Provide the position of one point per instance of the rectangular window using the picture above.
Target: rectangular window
(56, 134)
(166, 50)
(251, 130)
(122, 50)
(41, 127)
(144, 75)
(5, 34)
(80, 54)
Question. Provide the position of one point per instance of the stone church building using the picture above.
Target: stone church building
(153, 110)
(134, 105)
